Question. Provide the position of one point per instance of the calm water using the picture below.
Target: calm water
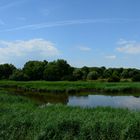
(88, 100)
(130, 102)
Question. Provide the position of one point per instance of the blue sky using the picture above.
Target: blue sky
(84, 32)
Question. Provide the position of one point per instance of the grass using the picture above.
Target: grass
(21, 119)
(73, 87)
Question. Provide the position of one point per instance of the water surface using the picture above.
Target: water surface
(130, 102)
(84, 99)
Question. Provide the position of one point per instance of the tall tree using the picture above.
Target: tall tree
(6, 70)
(34, 69)
(57, 70)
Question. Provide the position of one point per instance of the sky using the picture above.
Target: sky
(83, 32)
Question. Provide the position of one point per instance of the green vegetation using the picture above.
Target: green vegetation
(22, 119)
(73, 87)
(93, 75)
(136, 78)
(60, 70)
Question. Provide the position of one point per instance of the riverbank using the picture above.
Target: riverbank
(22, 119)
(73, 87)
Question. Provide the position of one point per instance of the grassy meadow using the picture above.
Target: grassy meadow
(73, 87)
(21, 119)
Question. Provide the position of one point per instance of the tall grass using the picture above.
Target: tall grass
(73, 87)
(21, 119)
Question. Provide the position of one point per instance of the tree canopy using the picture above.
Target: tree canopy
(60, 70)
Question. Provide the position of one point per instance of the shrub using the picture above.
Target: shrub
(114, 78)
(18, 75)
(77, 74)
(93, 75)
(136, 78)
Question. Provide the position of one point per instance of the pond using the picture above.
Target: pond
(85, 99)
(130, 102)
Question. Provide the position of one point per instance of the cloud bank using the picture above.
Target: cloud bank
(14, 51)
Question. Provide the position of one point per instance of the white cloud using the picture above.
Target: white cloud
(128, 47)
(84, 48)
(112, 57)
(24, 50)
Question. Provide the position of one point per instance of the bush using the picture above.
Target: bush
(18, 75)
(6, 70)
(114, 78)
(77, 74)
(136, 78)
(93, 75)
(68, 78)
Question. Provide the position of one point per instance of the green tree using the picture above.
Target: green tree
(114, 77)
(107, 73)
(133, 72)
(93, 75)
(136, 78)
(125, 73)
(34, 69)
(51, 73)
(85, 71)
(58, 70)
(18, 75)
(77, 74)
(63, 68)
(6, 70)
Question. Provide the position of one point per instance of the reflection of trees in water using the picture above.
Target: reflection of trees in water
(137, 96)
(51, 98)
(42, 98)
(54, 98)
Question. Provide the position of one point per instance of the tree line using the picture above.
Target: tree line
(60, 70)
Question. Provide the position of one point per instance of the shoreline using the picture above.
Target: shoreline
(72, 87)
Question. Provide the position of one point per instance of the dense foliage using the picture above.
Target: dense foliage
(60, 70)
(20, 119)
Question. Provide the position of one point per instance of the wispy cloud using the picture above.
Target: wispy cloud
(111, 57)
(25, 50)
(128, 47)
(71, 22)
(84, 48)
(11, 4)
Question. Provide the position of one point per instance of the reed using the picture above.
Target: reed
(23, 119)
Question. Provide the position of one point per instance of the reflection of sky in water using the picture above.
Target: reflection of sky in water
(101, 100)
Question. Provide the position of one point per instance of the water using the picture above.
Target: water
(130, 102)
(85, 99)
